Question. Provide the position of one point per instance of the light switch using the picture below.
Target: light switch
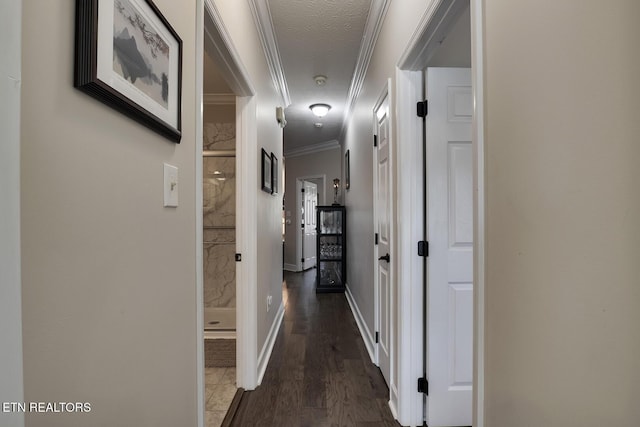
(170, 186)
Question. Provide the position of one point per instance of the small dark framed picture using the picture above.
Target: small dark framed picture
(274, 174)
(128, 57)
(347, 171)
(266, 172)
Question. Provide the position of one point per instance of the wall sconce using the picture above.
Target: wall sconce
(336, 187)
(320, 110)
(280, 117)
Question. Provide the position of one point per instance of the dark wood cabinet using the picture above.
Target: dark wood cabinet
(331, 248)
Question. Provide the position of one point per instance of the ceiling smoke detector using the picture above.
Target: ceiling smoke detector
(318, 125)
(320, 80)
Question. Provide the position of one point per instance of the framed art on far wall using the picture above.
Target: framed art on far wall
(274, 174)
(347, 171)
(266, 172)
(128, 57)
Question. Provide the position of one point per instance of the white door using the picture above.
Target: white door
(383, 230)
(449, 223)
(309, 202)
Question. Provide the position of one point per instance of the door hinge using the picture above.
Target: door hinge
(375, 140)
(375, 238)
(302, 190)
(422, 108)
(377, 337)
(302, 260)
(423, 386)
(238, 257)
(423, 248)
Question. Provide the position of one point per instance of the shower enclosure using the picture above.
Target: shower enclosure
(219, 243)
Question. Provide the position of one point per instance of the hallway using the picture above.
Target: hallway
(320, 373)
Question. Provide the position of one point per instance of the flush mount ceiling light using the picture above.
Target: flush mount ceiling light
(320, 80)
(320, 110)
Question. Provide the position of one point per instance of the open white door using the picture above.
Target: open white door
(449, 323)
(383, 231)
(309, 202)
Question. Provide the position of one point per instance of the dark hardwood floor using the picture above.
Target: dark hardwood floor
(320, 373)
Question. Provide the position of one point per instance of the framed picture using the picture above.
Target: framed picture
(128, 57)
(274, 174)
(347, 171)
(266, 172)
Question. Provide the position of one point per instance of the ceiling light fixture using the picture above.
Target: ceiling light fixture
(320, 110)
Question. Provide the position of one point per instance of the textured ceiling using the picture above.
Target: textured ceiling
(317, 37)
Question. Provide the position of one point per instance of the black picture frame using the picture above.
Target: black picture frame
(274, 174)
(129, 57)
(266, 172)
(347, 171)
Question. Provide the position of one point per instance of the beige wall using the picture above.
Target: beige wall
(109, 284)
(562, 232)
(328, 163)
(11, 386)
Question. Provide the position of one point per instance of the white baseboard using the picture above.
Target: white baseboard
(362, 326)
(393, 401)
(290, 267)
(265, 353)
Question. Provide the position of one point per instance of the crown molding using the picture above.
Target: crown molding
(372, 28)
(311, 149)
(219, 99)
(264, 23)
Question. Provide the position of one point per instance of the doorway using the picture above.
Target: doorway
(449, 31)
(214, 42)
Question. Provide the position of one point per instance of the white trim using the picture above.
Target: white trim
(246, 232)
(435, 24)
(267, 349)
(393, 399)
(200, 379)
(377, 13)
(290, 267)
(219, 99)
(264, 24)
(362, 325)
(313, 148)
(11, 350)
(410, 230)
(219, 46)
(479, 208)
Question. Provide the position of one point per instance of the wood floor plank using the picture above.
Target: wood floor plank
(320, 373)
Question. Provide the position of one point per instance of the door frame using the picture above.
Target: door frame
(299, 237)
(215, 39)
(386, 92)
(435, 23)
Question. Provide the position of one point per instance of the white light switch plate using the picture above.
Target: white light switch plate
(170, 186)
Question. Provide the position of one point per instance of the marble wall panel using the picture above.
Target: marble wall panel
(219, 136)
(219, 219)
(219, 191)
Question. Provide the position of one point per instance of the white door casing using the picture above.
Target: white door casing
(309, 203)
(382, 191)
(449, 223)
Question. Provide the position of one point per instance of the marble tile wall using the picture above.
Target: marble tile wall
(219, 218)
